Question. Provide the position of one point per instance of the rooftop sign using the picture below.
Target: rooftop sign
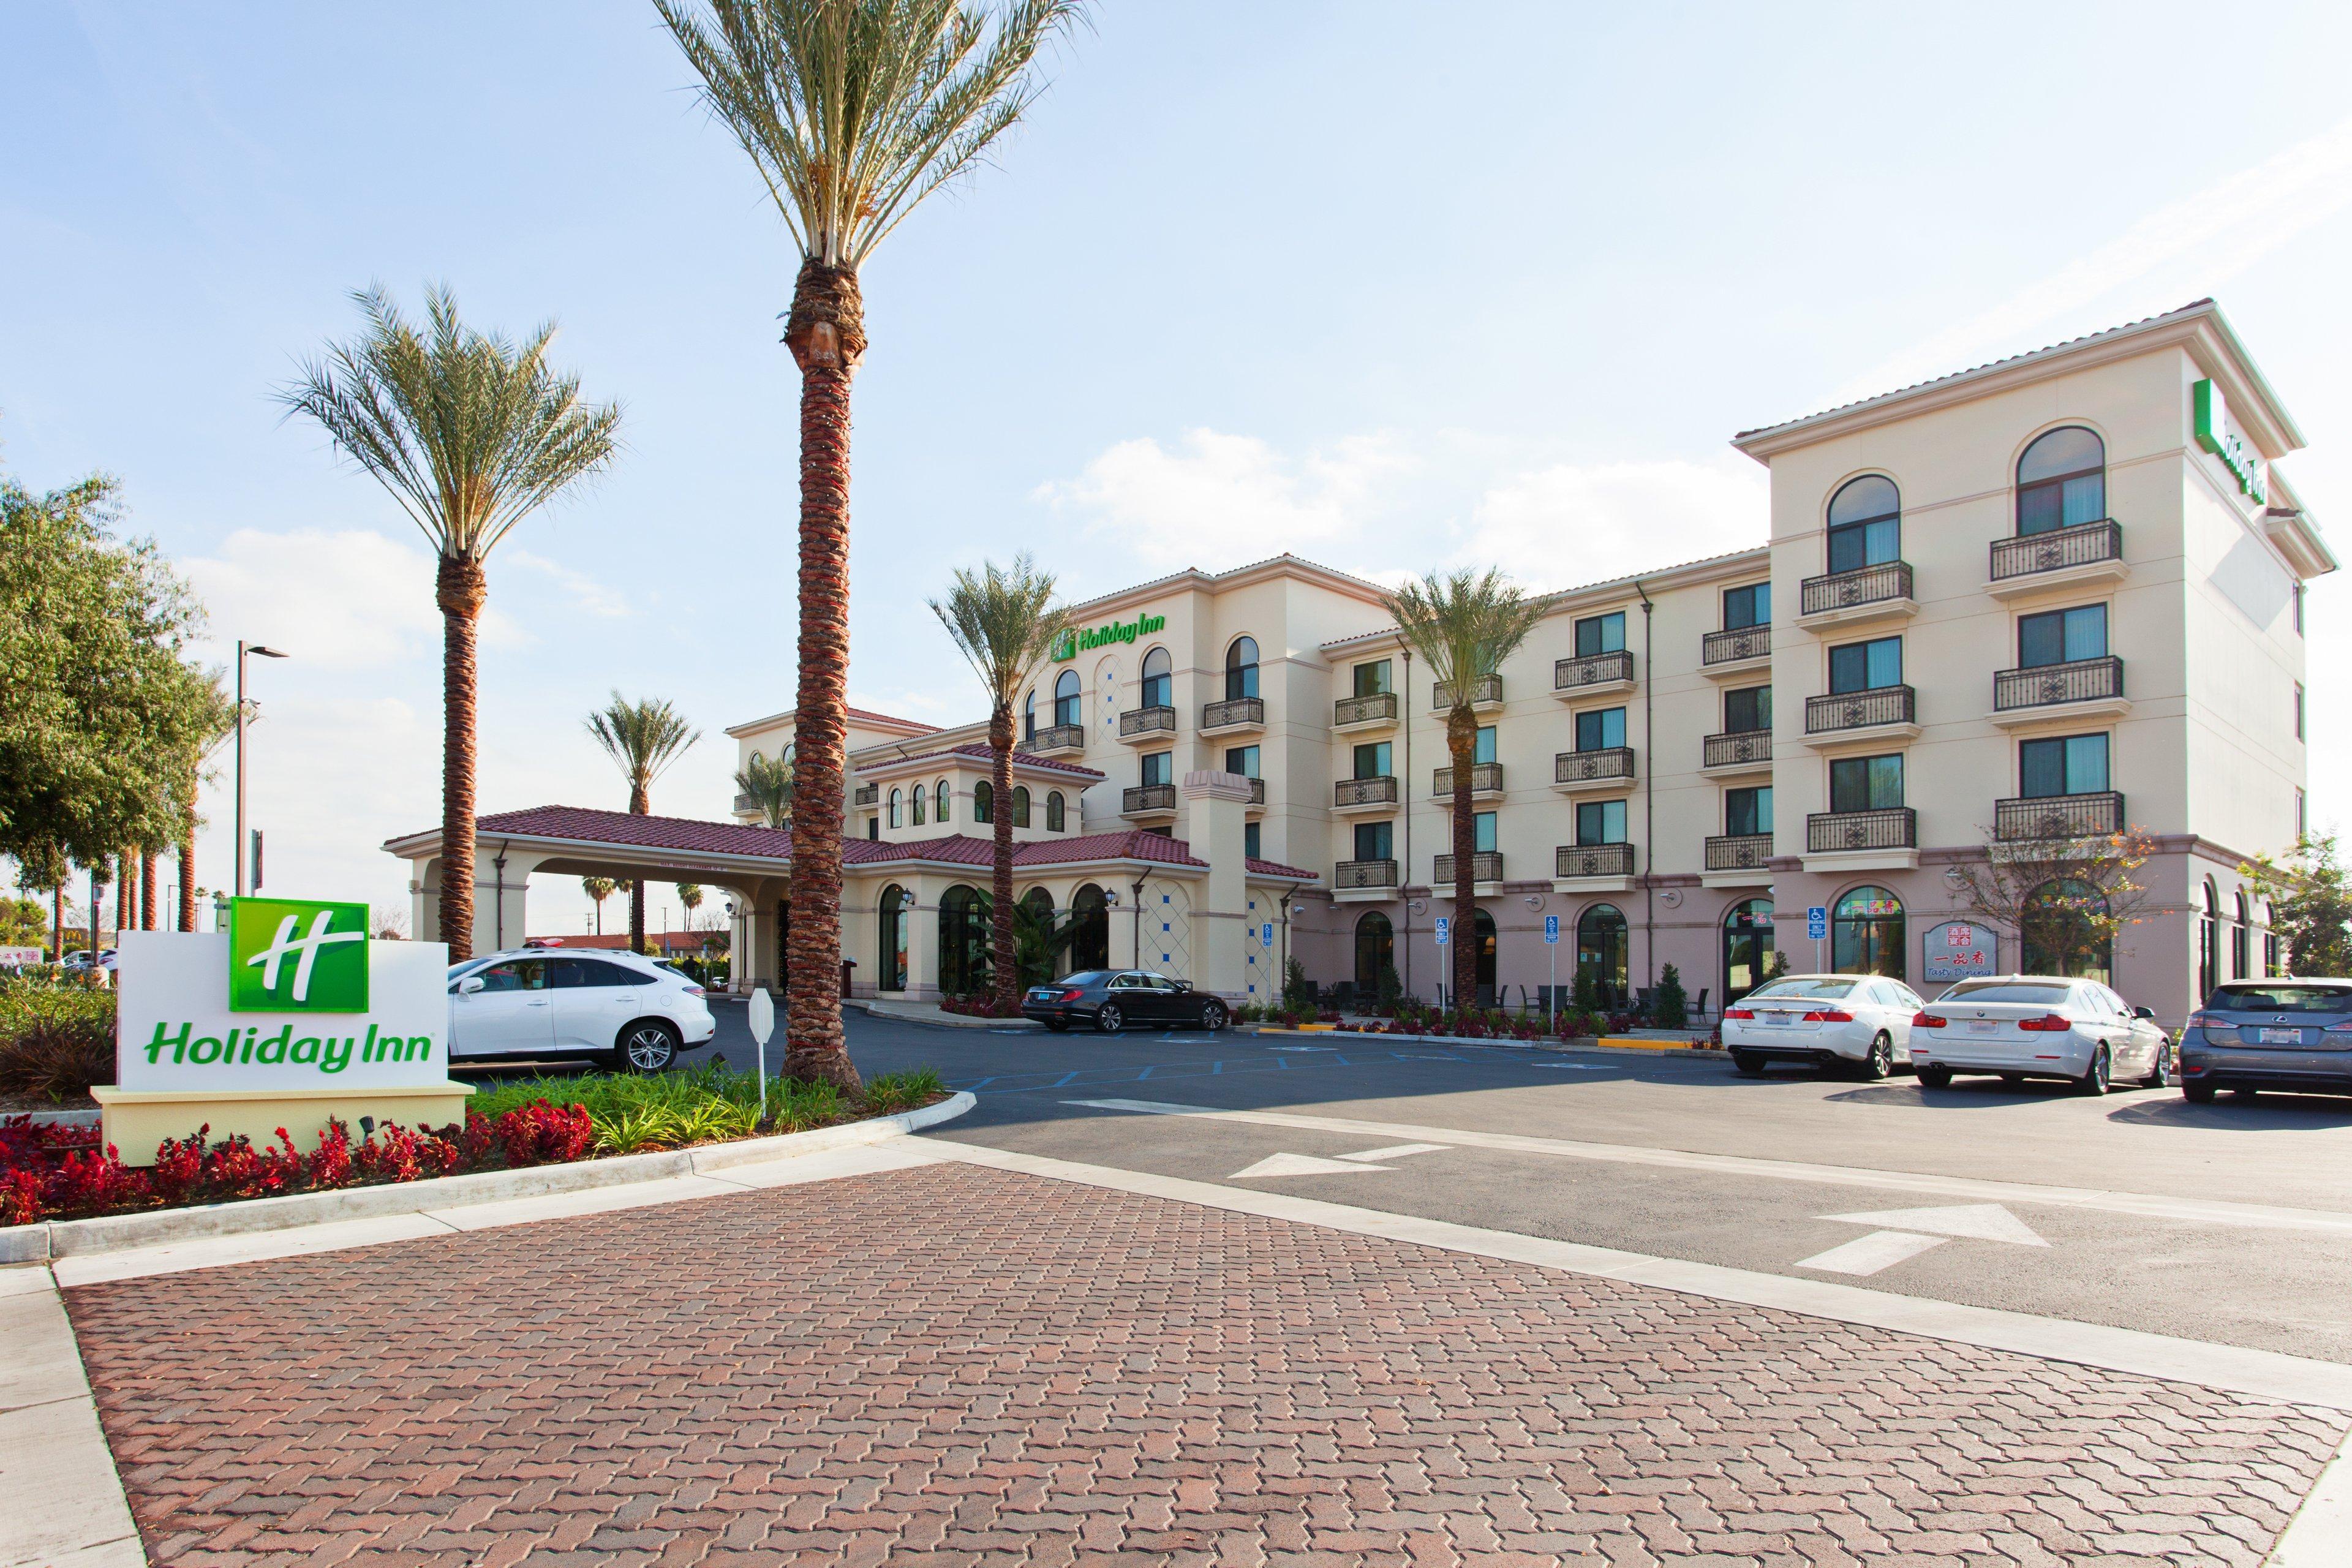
(1077, 641)
(2217, 433)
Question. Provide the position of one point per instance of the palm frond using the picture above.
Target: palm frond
(1465, 626)
(770, 785)
(1004, 621)
(643, 738)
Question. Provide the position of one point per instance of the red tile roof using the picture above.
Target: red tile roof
(979, 750)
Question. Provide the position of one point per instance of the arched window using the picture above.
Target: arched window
(1865, 523)
(1034, 930)
(1029, 716)
(1159, 686)
(1482, 932)
(757, 762)
(2062, 480)
(1067, 693)
(1375, 952)
(2270, 941)
(1241, 670)
(1746, 947)
(983, 802)
(940, 796)
(964, 941)
(897, 802)
(2209, 943)
(1866, 934)
(2066, 930)
(1089, 929)
(1603, 952)
(1053, 818)
(2241, 938)
(919, 795)
(892, 973)
(1020, 805)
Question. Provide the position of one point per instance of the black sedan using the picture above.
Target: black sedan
(1110, 999)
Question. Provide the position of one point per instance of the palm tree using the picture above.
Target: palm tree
(599, 889)
(1465, 626)
(770, 785)
(1003, 623)
(643, 738)
(851, 112)
(471, 433)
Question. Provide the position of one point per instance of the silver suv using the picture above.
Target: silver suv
(542, 1002)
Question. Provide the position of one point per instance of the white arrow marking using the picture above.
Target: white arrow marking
(1981, 1222)
(1395, 1152)
(1879, 1249)
(1300, 1165)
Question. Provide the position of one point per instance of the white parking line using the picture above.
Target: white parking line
(2145, 1206)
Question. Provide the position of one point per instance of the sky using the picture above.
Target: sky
(1394, 286)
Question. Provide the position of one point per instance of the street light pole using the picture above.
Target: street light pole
(243, 648)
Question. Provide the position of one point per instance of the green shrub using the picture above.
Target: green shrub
(1669, 1009)
(55, 1039)
(895, 1091)
(633, 1111)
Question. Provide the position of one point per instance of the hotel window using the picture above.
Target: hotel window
(1482, 750)
(1240, 669)
(1054, 816)
(873, 828)
(916, 802)
(1600, 728)
(1748, 811)
(940, 797)
(1029, 717)
(1252, 846)
(1747, 607)
(1866, 524)
(1020, 805)
(1067, 693)
(1371, 760)
(1375, 841)
(1865, 665)
(2302, 817)
(1601, 822)
(2298, 710)
(1159, 686)
(1482, 832)
(2242, 940)
(983, 802)
(2060, 636)
(1242, 759)
(1372, 679)
(2270, 941)
(2071, 764)
(1156, 766)
(1601, 633)
(2062, 480)
(1866, 784)
(897, 808)
(1747, 709)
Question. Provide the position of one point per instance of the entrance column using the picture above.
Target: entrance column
(1218, 803)
(501, 881)
(923, 938)
(753, 962)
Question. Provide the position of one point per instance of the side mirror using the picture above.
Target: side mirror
(2143, 1012)
(468, 986)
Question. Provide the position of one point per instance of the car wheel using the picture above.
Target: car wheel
(1213, 1015)
(1748, 1066)
(2094, 1078)
(2196, 1093)
(647, 1045)
(2160, 1075)
(1935, 1077)
(1108, 1020)
(1880, 1059)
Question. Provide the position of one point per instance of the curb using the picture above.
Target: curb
(46, 1239)
(1583, 1043)
(2320, 1533)
(953, 1020)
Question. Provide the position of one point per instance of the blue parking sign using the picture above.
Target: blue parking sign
(1817, 922)
(1551, 930)
(1265, 934)
(1444, 930)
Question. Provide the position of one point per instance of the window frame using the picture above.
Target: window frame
(1241, 675)
(1836, 533)
(1069, 706)
(2056, 483)
(1156, 690)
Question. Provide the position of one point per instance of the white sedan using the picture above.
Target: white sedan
(1861, 1021)
(2039, 1025)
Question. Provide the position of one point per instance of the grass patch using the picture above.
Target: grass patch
(634, 1113)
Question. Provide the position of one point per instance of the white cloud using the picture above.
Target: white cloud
(586, 592)
(347, 599)
(1572, 523)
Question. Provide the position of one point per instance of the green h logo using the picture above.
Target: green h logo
(288, 955)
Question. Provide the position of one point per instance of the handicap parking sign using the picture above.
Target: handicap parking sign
(1445, 927)
(1265, 934)
(1817, 922)
(1551, 930)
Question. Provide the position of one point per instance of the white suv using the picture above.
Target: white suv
(537, 1001)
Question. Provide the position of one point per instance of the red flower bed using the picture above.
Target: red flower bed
(60, 1172)
(979, 1006)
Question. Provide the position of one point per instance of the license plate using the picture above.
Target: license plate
(1774, 1020)
(1983, 1026)
(2279, 1036)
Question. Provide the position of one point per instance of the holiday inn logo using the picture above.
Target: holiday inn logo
(288, 955)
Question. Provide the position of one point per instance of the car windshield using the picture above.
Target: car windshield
(2281, 999)
(1803, 990)
(2040, 995)
(1084, 977)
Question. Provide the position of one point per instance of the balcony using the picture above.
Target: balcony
(1377, 794)
(1361, 879)
(1738, 651)
(2062, 558)
(1138, 800)
(1485, 782)
(1591, 866)
(1867, 593)
(1590, 674)
(1605, 767)
(1235, 713)
(1860, 832)
(868, 795)
(1142, 726)
(1845, 718)
(1375, 711)
(1485, 694)
(1053, 741)
(2045, 693)
(747, 806)
(1733, 856)
(2042, 818)
(1257, 795)
(1737, 752)
(1485, 865)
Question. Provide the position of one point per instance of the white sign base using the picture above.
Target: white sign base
(136, 1122)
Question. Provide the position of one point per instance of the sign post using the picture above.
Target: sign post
(1444, 925)
(1817, 926)
(1552, 956)
(762, 1019)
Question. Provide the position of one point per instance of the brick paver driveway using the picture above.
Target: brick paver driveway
(952, 1365)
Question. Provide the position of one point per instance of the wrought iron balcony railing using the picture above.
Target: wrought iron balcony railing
(1056, 738)
(1485, 690)
(1738, 643)
(1736, 747)
(1738, 852)
(1838, 832)
(2083, 544)
(744, 803)
(1592, 669)
(1485, 865)
(1599, 765)
(1486, 778)
(1850, 590)
(1156, 720)
(1233, 712)
(1364, 874)
(868, 795)
(2076, 680)
(2032, 818)
(1861, 710)
(1366, 709)
(1141, 799)
(1593, 860)
(1257, 791)
(1377, 791)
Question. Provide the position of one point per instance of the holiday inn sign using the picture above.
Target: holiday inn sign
(1077, 639)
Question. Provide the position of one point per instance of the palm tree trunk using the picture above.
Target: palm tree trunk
(188, 862)
(126, 907)
(1008, 969)
(641, 803)
(460, 592)
(146, 891)
(826, 333)
(1461, 743)
(57, 917)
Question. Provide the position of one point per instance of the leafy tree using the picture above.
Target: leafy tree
(598, 889)
(1584, 992)
(851, 112)
(2311, 907)
(1005, 623)
(1392, 988)
(24, 923)
(770, 785)
(470, 433)
(2062, 899)
(643, 738)
(1669, 1006)
(1465, 626)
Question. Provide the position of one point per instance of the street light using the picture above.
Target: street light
(243, 648)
